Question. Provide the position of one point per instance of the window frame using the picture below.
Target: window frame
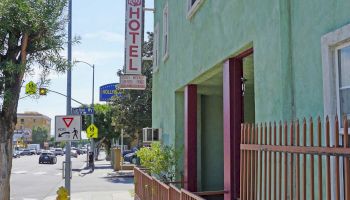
(336, 66)
(330, 43)
(165, 35)
(156, 48)
(193, 8)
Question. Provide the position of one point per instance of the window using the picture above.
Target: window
(34, 120)
(192, 7)
(342, 63)
(335, 48)
(155, 48)
(165, 33)
(22, 121)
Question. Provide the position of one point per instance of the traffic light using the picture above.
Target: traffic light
(42, 91)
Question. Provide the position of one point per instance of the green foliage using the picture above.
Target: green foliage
(103, 121)
(160, 160)
(132, 110)
(32, 35)
(39, 135)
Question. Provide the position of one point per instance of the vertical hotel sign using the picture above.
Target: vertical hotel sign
(133, 36)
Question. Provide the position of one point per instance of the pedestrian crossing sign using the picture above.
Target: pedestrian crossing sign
(92, 131)
(68, 128)
(31, 88)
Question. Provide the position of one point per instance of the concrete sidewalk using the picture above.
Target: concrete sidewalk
(107, 195)
(93, 185)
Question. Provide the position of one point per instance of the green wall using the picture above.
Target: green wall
(212, 164)
(286, 37)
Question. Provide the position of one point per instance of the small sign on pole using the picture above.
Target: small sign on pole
(132, 82)
(92, 131)
(31, 88)
(68, 128)
(83, 111)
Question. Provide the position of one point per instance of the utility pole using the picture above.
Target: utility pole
(69, 98)
(92, 116)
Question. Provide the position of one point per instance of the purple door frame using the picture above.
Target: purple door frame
(190, 161)
(233, 117)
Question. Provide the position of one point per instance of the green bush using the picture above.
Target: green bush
(160, 160)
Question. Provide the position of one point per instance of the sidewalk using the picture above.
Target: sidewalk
(100, 185)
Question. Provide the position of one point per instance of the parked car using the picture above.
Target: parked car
(33, 151)
(58, 151)
(77, 150)
(132, 150)
(26, 152)
(74, 153)
(16, 154)
(131, 158)
(47, 157)
(83, 150)
(39, 151)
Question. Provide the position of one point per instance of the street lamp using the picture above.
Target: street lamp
(93, 95)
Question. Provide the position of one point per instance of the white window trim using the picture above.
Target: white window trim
(156, 48)
(329, 43)
(165, 50)
(336, 66)
(192, 9)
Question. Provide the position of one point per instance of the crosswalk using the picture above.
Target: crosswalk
(41, 173)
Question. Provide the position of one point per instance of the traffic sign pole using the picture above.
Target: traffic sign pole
(69, 97)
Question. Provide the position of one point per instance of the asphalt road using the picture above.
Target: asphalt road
(31, 180)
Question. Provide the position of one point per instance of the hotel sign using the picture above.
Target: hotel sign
(133, 36)
(134, 82)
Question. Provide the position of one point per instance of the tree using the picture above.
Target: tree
(132, 109)
(32, 35)
(39, 135)
(103, 120)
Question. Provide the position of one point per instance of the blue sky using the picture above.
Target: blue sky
(100, 24)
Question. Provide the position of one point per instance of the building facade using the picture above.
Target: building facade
(218, 64)
(29, 120)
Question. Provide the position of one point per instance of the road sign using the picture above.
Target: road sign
(68, 128)
(92, 131)
(31, 88)
(83, 111)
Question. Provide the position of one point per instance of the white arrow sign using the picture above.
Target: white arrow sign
(68, 128)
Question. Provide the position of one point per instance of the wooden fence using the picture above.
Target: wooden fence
(294, 161)
(149, 188)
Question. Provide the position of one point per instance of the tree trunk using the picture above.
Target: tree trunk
(5, 168)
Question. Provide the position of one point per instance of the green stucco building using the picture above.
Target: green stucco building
(220, 63)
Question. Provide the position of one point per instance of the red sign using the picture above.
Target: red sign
(133, 36)
(68, 121)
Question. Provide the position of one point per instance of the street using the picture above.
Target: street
(31, 181)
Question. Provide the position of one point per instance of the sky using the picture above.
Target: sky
(100, 24)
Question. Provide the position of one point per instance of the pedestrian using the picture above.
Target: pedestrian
(91, 161)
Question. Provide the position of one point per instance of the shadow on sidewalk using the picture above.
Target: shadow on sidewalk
(123, 180)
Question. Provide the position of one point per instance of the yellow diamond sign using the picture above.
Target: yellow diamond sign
(31, 88)
(92, 131)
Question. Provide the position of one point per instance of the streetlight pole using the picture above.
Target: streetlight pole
(69, 98)
(93, 97)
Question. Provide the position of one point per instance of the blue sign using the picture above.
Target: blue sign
(83, 111)
(108, 91)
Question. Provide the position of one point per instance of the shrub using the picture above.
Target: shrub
(160, 160)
